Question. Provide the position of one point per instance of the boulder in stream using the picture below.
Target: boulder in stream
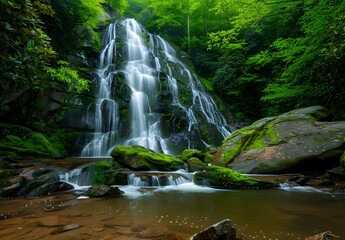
(294, 141)
(141, 159)
(221, 177)
(102, 191)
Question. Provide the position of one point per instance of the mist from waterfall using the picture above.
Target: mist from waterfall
(126, 110)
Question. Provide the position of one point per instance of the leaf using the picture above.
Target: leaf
(30, 43)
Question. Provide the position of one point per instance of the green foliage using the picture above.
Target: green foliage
(26, 142)
(118, 6)
(69, 76)
(25, 47)
(312, 64)
(32, 142)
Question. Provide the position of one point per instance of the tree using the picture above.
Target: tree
(313, 63)
(28, 61)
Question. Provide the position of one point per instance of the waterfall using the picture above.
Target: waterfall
(147, 96)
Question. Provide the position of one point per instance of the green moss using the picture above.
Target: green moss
(39, 142)
(103, 174)
(140, 158)
(58, 142)
(271, 133)
(195, 164)
(19, 141)
(230, 154)
(208, 158)
(189, 153)
(226, 178)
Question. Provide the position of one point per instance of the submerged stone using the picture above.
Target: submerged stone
(141, 159)
(221, 177)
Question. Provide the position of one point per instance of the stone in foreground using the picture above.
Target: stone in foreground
(222, 230)
(323, 236)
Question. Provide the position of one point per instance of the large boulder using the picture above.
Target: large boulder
(290, 142)
(141, 159)
(221, 177)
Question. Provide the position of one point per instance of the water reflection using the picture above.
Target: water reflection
(257, 214)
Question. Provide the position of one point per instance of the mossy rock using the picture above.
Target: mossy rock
(105, 172)
(195, 164)
(17, 141)
(189, 153)
(293, 141)
(220, 177)
(141, 159)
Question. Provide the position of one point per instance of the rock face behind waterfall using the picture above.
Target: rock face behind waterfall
(292, 142)
(147, 96)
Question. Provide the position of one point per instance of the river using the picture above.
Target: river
(178, 211)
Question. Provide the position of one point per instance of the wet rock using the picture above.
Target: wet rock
(103, 191)
(141, 159)
(35, 178)
(326, 182)
(195, 164)
(302, 181)
(323, 236)
(222, 230)
(16, 184)
(336, 174)
(32, 181)
(6, 170)
(49, 188)
(294, 141)
(221, 177)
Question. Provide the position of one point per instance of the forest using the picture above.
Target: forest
(261, 57)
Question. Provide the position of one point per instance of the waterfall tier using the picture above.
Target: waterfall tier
(147, 96)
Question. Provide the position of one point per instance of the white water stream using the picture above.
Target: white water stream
(143, 58)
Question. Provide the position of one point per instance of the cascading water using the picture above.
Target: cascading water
(147, 96)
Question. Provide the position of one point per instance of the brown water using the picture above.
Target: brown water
(174, 213)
